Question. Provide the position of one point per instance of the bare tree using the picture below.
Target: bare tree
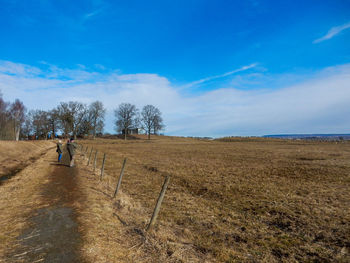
(71, 116)
(3, 105)
(17, 111)
(5, 124)
(27, 129)
(3, 112)
(41, 123)
(158, 124)
(96, 117)
(126, 117)
(150, 117)
(54, 121)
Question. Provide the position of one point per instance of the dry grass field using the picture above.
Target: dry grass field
(14, 156)
(21, 193)
(236, 200)
(229, 200)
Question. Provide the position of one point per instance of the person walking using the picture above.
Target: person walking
(59, 150)
(71, 146)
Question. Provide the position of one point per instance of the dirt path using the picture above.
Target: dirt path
(53, 234)
(53, 213)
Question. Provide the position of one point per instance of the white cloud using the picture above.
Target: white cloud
(333, 32)
(318, 104)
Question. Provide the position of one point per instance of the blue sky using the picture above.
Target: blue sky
(214, 68)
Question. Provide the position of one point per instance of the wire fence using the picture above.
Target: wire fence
(99, 172)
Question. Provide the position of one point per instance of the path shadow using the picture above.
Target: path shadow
(59, 164)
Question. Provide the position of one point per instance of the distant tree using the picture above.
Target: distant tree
(3, 105)
(27, 128)
(150, 117)
(158, 124)
(126, 117)
(85, 127)
(17, 113)
(54, 121)
(3, 112)
(96, 117)
(71, 116)
(41, 123)
(5, 124)
(65, 118)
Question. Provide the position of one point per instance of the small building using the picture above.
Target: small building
(131, 131)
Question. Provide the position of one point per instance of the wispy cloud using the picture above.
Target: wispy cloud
(197, 82)
(11, 68)
(92, 14)
(332, 32)
(317, 103)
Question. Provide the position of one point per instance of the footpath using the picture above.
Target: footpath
(52, 235)
(53, 213)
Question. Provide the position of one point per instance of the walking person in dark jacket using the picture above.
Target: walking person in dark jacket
(59, 150)
(71, 146)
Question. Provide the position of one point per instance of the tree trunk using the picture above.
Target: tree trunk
(53, 132)
(125, 131)
(17, 133)
(14, 130)
(149, 133)
(94, 132)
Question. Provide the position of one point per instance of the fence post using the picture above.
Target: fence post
(103, 166)
(159, 203)
(90, 156)
(95, 160)
(120, 178)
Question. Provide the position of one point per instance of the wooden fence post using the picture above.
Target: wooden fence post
(159, 203)
(120, 178)
(90, 156)
(95, 160)
(103, 166)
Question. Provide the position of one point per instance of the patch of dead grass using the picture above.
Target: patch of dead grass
(20, 195)
(16, 155)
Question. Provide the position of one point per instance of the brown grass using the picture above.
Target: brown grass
(240, 200)
(16, 155)
(237, 200)
(21, 194)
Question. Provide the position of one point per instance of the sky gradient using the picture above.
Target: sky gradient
(214, 68)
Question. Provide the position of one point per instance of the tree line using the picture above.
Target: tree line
(74, 119)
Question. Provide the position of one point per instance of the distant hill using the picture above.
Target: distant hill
(310, 136)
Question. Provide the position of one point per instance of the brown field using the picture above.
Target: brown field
(230, 200)
(14, 156)
(251, 200)
(19, 194)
